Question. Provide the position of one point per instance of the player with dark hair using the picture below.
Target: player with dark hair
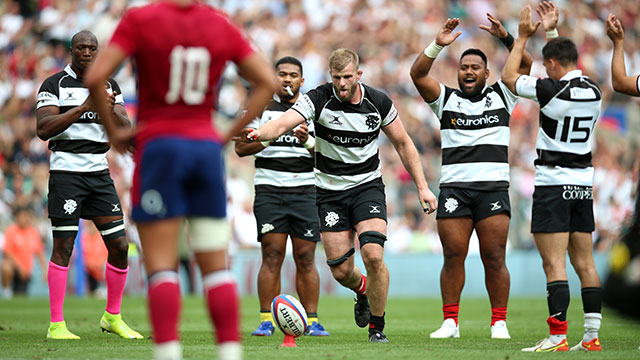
(285, 202)
(79, 183)
(180, 48)
(474, 127)
(348, 116)
(562, 214)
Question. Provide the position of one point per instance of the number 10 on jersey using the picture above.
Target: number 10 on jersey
(189, 78)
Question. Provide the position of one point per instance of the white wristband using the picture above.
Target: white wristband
(266, 143)
(552, 34)
(433, 50)
(310, 143)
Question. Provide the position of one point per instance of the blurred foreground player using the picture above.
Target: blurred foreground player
(180, 48)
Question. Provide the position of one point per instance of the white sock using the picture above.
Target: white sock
(170, 350)
(556, 339)
(230, 351)
(591, 326)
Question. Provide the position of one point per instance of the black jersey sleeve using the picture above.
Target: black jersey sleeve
(49, 92)
(547, 89)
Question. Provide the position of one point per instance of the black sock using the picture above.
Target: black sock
(312, 315)
(558, 299)
(592, 299)
(376, 323)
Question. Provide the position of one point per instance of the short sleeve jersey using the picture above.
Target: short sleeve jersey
(569, 108)
(285, 165)
(346, 134)
(475, 137)
(179, 53)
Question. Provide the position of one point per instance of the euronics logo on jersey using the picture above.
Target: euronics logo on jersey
(482, 120)
(340, 139)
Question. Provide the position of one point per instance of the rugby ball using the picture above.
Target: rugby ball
(289, 314)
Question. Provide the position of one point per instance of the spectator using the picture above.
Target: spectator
(22, 242)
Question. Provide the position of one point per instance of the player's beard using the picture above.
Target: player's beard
(350, 92)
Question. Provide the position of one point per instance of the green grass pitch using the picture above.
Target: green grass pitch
(23, 324)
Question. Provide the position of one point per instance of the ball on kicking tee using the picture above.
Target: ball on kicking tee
(289, 314)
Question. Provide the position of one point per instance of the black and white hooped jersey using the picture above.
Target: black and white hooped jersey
(286, 163)
(569, 108)
(346, 134)
(475, 137)
(82, 147)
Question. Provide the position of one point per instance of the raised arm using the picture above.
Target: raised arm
(411, 161)
(428, 87)
(498, 31)
(619, 79)
(525, 30)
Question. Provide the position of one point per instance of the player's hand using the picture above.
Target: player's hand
(111, 99)
(614, 28)
(526, 28)
(302, 133)
(548, 13)
(247, 135)
(446, 35)
(87, 105)
(428, 201)
(496, 29)
(122, 139)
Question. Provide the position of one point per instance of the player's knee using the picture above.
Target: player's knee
(373, 260)
(493, 260)
(335, 262)
(372, 237)
(118, 247)
(272, 258)
(584, 267)
(61, 252)
(341, 273)
(305, 261)
(112, 231)
(209, 234)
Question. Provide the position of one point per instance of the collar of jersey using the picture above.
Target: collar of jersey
(361, 89)
(475, 98)
(572, 75)
(70, 71)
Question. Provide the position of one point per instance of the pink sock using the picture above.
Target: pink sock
(116, 279)
(164, 305)
(222, 300)
(57, 280)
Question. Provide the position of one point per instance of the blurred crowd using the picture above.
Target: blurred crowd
(387, 34)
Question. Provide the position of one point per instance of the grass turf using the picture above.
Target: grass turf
(23, 325)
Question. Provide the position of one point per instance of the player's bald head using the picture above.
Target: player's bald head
(84, 35)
